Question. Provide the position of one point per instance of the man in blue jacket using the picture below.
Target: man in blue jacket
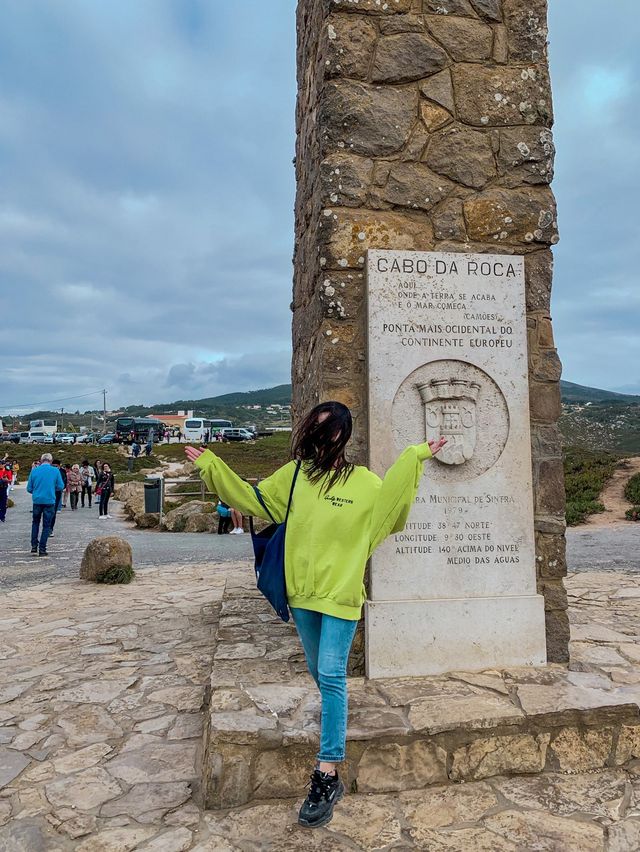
(43, 483)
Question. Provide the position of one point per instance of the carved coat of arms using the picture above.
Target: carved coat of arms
(450, 411)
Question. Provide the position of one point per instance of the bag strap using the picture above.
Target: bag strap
(293, 485)
(264, 505)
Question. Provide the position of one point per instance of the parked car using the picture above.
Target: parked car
(24, 438)
(86, 438)
(237, 434)
(64, 438)
(40, 438)
(14, 437)
(109, 438)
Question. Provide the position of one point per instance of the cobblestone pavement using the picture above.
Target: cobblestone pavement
(614, 548)
(101, 695)
(74, 530)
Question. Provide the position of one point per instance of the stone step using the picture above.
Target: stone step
(403, 734)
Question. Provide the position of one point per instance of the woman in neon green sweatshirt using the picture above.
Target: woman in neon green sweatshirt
(339, 514)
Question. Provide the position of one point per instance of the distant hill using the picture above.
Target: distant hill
(591, 417)
(229, 406)
(279, 395)
(579, 393)
(600, 419)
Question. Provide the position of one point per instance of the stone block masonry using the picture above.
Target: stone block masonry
(426, 734)
(426, 126)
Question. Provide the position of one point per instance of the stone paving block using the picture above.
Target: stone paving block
(85, 790)
(11, 765)
(537, 830)
(597, 794)
(578, 750)
(521, 753)
(386, 767)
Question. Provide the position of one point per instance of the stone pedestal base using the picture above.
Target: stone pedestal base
(421, 638)
(263, 713)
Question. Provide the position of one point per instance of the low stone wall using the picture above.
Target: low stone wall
(410, 733)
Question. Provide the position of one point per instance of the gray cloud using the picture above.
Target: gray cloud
(147, 194)
(146, 213)
(596, 307)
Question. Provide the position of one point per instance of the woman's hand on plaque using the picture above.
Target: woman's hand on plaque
(436, 446)
(192, 453)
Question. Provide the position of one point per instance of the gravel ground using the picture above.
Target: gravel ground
(74, 530)
(614, 548)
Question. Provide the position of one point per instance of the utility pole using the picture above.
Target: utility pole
(104, 411)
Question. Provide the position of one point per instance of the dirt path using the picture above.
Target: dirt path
(615, 504)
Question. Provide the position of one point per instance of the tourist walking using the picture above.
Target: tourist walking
(59, 493)
(74, 486)
(106, 485)
(43, 484)
(236, 518)
(88, 475)
(16, 471)
(224, 517)
(340, 512)
(6, 476)
(148, 447)
(64, 469)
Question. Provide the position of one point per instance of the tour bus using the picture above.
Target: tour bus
(196, 427)
(49, 427)
(130, 429)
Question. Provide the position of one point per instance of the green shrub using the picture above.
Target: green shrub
(585, 475)
(577, 511)
(117, 574)
(633, 514)
(632, 490)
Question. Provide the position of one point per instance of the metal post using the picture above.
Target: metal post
(161, 501)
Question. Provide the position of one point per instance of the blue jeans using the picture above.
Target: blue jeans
(46, 513)
(326, 641)
(56, 509)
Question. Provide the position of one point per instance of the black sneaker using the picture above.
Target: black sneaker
(34, 549)
(317, 809)
(43, 553)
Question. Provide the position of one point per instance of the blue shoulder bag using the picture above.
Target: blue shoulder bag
(268, 548)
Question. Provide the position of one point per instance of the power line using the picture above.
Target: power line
(50, 401)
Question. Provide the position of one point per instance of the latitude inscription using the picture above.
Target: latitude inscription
(447, 356)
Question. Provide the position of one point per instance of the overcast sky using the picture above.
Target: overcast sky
(146, 195)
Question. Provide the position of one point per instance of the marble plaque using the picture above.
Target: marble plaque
(447, 355)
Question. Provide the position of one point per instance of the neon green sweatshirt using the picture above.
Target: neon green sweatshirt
(330, 535)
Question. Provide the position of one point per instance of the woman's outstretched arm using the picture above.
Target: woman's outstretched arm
(220, 479)
(398, 491)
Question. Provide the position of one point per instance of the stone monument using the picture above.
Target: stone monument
(424, 125)
(447, 355)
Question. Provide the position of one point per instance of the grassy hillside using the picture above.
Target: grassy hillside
(25, 454)
(609, 426)
(251, 459)
(580, 393)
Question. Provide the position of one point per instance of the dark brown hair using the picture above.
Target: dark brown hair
(321, 445)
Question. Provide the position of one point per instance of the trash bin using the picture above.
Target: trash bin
(153, 494)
